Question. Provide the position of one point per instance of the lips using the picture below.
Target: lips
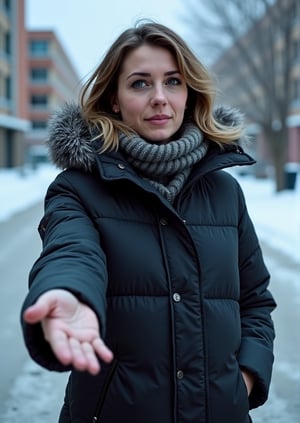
(158, 119)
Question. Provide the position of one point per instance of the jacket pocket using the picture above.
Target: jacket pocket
(104, 390)
(244, 397)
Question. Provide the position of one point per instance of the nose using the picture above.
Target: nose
(158, 96)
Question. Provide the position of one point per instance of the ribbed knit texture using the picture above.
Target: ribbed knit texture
(166, 166)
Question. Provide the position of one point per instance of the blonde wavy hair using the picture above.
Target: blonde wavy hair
(100, 88)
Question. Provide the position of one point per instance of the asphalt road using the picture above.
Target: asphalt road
(22, 383)
(19, 247)
(31, 394)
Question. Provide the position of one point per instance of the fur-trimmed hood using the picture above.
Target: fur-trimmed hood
(70, 139)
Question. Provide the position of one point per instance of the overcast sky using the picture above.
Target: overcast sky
(86, 28)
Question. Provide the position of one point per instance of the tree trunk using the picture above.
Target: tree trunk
(277, 140)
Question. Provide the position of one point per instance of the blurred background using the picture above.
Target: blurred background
(47, 51)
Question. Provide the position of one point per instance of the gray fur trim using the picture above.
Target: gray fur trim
(228, 116)
(70, 140)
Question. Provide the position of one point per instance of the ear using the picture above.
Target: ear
(115, 105)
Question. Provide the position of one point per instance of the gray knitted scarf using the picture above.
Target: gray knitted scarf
(166, 166)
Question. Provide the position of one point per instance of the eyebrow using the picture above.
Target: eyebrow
(147, 74)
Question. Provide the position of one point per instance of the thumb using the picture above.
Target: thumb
(39, 310)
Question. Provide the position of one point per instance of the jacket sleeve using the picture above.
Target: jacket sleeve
(256, 305)
(71, 259)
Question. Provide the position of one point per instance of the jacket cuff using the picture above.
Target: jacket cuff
(257, 359)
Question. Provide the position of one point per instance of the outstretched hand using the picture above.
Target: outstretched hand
(71, 328)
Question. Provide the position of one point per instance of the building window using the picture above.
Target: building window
(296, 89)
(39, 125)
(38, 47)
(296, 50)
(295, 11)
(8, 87)
(7, 42)
(39, 74)
(38, 100)
(7, 5)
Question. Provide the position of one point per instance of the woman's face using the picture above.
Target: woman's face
(151, 94)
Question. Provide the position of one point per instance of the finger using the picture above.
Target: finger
(79, 359)
(102, 350)
(39, 310)
(60, 346)
(93, 365)
(33, 314)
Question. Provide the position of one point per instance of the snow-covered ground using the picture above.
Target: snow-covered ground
(276, 215)
(22, 188)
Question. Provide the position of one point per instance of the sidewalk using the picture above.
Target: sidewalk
(36, 396)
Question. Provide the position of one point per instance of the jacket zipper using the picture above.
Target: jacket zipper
(104, 391)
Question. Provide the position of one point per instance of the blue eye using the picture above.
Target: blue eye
(139, 83)
(173, 81)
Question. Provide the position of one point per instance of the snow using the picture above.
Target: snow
(22, 188)
(32, 397)
(276, 216)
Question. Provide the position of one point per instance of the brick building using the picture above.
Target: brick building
(52, 80)
(13, 97)
(36, 78)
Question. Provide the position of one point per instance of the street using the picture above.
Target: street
(19, 246)
(31, 394)
(26, 390)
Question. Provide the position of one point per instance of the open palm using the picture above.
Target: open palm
(71, 328)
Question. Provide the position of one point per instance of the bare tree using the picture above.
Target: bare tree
(253, 40)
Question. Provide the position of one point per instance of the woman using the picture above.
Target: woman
(150, 262)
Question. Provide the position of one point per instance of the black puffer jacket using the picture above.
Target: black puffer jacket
(181, 291)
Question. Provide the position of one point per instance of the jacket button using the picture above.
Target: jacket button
(163, 221)
(179, 374)
(121, 166)
(176, 297)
